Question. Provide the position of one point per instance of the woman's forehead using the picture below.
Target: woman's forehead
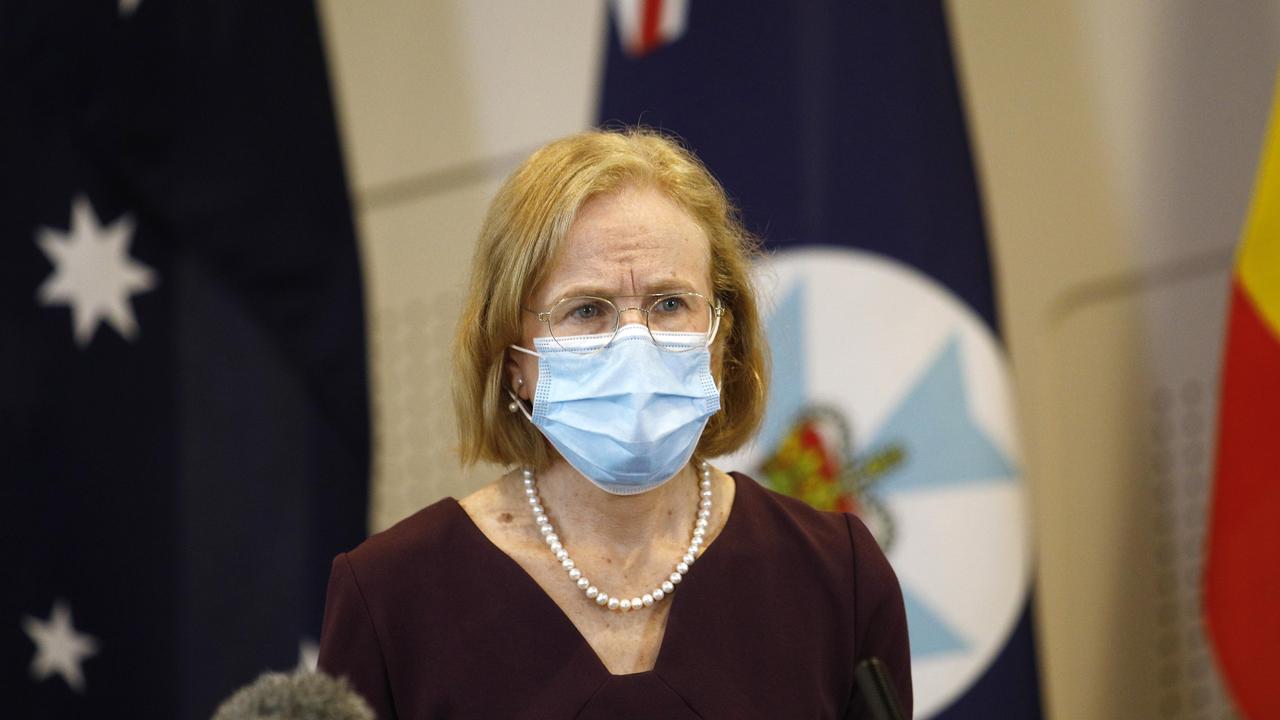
(634, 242)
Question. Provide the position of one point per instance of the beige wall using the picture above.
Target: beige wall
(1115, 144)
(438, 101)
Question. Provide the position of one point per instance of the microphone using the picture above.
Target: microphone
(877, 692)
(303, 695)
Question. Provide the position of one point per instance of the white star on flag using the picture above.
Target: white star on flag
(93, 273)
(59, 648)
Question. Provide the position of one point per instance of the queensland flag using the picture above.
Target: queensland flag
(838, 129)
(183, 413)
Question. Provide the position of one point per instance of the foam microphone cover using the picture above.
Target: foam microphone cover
(303, 695)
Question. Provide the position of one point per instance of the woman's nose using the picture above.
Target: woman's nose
(638, 316)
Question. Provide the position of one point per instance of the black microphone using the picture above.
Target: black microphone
(303, 695)
(877, 692)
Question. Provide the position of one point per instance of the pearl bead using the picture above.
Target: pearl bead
(668, 586)
(512, 406)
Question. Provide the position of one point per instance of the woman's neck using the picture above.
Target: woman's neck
(623, 526)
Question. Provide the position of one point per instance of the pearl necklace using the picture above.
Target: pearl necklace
(592, 592)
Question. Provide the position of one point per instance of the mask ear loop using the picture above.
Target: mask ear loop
(715, 329)
(715, 326)
(516, 403)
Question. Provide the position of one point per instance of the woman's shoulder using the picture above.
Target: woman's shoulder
(837, 544)
(797, 519)
(414, 540)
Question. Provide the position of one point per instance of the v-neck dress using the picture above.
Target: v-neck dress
(429, 619)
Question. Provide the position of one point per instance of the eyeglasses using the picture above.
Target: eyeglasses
(587, 324)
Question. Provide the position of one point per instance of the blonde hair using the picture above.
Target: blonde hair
(522, 230)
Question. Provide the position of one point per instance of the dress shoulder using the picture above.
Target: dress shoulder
(371, 590)
(840, 553)
(797, 532)
(407, 543)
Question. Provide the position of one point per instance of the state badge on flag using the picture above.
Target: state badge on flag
(890, 399)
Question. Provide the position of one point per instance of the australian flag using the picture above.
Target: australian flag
(184, 435)
(839, 130)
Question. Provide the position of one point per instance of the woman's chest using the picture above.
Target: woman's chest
(624, 641)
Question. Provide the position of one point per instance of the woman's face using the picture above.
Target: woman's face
(624, 244)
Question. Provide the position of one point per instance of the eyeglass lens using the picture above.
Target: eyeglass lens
(582, 316)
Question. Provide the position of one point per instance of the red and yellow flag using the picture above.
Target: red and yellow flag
(1242, 576)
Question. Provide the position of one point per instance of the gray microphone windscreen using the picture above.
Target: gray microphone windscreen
(303, 695)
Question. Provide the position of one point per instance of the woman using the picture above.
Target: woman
(610, 344)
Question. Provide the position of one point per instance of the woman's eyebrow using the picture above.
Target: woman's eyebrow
(659, 287)
(670, 285)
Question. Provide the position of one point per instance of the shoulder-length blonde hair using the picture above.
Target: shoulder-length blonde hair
(522, 230)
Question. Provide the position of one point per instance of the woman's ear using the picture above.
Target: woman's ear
(515, 377)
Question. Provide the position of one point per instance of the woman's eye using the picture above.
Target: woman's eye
(671, 304)
(586, 311)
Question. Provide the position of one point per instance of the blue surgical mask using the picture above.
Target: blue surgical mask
(629, 416)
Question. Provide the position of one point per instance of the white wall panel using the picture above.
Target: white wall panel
(439, 100)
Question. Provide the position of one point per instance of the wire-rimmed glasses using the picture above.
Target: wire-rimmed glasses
(586, 324)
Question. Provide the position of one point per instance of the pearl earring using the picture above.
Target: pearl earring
(512, 406)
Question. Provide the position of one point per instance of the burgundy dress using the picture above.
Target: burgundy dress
(431, 620)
